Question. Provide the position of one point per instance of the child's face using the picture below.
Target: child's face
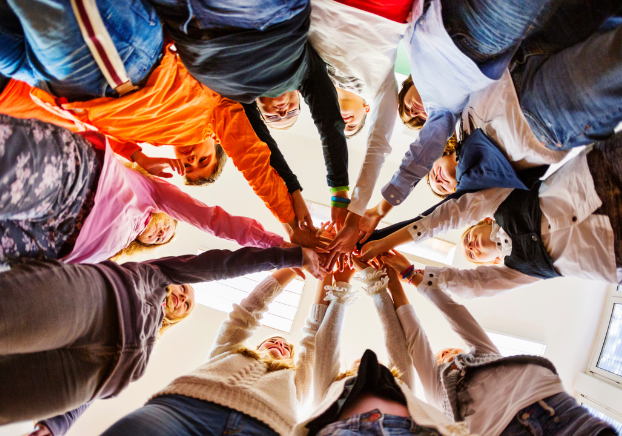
(281, 111)
(353, 110)
(443, 175)
(477, 246)
(159, 230)
(199, 160)
(180, 301)
(447, 355)
(278, 347)
(413, 105)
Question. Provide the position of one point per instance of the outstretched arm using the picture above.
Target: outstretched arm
(245, 318)
(254, 153)
(214, 220)
(60, 424)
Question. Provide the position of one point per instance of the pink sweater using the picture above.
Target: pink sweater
(125, 200)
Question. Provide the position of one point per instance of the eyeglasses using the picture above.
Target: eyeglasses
(277, 117)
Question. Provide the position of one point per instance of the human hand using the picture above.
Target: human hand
(372, 218)
(40, 430)
(358, 264)
(301, 210)
(395, 260)
(345, 241)
(311, 262)
(312, 239)
(157, 165)
(373, 249)
(345, 275)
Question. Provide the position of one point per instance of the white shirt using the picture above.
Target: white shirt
(442, 74)
(359, 49)
(579, 243)
(496, 110)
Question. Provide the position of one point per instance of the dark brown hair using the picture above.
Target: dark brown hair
(415, 123)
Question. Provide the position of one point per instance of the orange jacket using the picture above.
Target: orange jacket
(171, 109)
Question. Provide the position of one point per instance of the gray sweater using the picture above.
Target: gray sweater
(140, 290)
(493, 388)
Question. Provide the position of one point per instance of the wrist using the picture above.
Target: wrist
(383, 208)
(137, 156)
(352, 220)
(339, 191)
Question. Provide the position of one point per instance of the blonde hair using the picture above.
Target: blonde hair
(351, 372)
(136, 247)
(170, 320)
(450, 148)
(482, 222)
(268, 359)
(415, 123)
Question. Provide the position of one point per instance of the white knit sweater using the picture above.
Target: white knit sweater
(243, 383)
(327, 361)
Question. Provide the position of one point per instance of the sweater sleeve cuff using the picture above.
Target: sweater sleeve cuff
(292, 257)
(342, 293)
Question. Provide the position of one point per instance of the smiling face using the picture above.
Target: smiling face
(280, 112)
(353, 110)
(477, 246)
(278, 347)
(159, 230)
(447, 355)
(199, 160)
(179, 301)
(413, 106)
(443, 175)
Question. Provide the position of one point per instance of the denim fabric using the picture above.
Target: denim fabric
(568, 418)
(574, 97)
(245, 14)
(41, 44)
(483, 29)
(374, 423)
(184, 416)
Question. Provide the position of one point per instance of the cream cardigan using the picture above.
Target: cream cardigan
(243, 383)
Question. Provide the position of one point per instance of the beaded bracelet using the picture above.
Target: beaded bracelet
(340, 188)
(340, 199)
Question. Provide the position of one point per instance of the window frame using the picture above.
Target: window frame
(614, 297)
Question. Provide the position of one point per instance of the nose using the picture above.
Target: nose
(191, 158)
(282, 111)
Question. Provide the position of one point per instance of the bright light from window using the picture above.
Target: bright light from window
(612, 422)
(511, 346)
(222, 294)
(433, 249)
(610, 358)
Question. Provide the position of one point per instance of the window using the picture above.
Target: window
(433, 249)
(511, 345)
(222, 294)
(607, 415)
(607, 358)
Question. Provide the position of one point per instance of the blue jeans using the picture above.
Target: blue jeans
(484, 29)
(374, 423)
(184, 416)
(574, 97)
(564, 417)
(41, 44)
(214, 14)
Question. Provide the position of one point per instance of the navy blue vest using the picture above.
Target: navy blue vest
(520, 216)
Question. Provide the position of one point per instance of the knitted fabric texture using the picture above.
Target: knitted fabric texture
(341, 292)
(466, 363)
(245, 384)
(373, 280)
